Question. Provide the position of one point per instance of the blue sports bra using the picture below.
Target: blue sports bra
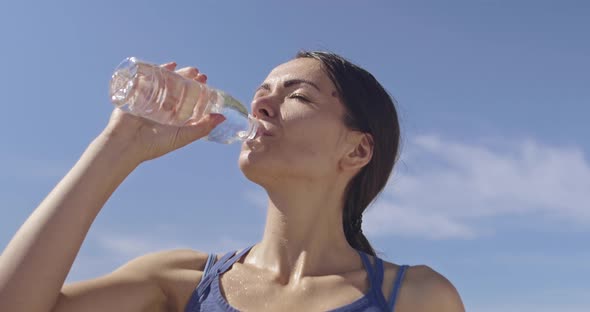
(207, 296)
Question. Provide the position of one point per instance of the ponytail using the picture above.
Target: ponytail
(369, 109)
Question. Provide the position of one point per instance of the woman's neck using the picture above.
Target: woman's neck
(303, 235)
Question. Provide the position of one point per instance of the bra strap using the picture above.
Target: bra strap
(209, 264)
(210, 273)
(396, 286)
(368, 265)
(232, 260)
(378, 282)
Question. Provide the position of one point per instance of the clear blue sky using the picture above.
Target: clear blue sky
(494, 187)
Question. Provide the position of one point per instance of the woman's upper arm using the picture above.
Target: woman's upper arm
(146, 283)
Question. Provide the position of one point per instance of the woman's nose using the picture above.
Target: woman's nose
(262, 107)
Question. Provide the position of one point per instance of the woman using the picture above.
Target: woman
(328, 144)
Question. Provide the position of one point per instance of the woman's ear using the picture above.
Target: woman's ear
(361, 152)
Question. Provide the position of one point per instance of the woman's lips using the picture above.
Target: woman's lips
(263, 132)
(261, 135)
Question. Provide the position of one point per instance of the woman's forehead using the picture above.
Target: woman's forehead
(302, 68)
(309, 72)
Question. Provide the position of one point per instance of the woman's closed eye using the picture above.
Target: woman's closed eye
(299, 97)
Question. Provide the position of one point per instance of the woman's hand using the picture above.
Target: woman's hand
(146, 139)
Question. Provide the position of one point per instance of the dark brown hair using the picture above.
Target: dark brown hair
(369, 109)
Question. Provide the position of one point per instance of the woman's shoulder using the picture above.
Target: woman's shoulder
(422, 288)
(176, 259)
(177, 272)
(156, 263)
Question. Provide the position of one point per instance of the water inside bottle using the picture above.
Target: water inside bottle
(237, 125)
(168, 98)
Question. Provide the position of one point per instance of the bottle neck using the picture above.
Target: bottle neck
(252, 132)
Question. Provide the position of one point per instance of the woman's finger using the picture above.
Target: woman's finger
(196, 129)
(188, 72)
(169, 66)
(202, 78)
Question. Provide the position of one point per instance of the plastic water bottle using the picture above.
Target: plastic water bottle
(153, 92)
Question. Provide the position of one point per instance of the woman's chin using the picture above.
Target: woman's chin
(253, 170)
(251, 160)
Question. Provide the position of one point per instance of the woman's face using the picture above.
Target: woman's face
(305, 137)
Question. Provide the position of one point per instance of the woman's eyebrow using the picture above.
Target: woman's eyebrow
(292, 82)
(289, 83)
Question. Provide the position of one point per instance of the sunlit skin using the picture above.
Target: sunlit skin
(304, 159)
(304, 164)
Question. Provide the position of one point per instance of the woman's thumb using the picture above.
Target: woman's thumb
(213, 120)
(198, 129)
